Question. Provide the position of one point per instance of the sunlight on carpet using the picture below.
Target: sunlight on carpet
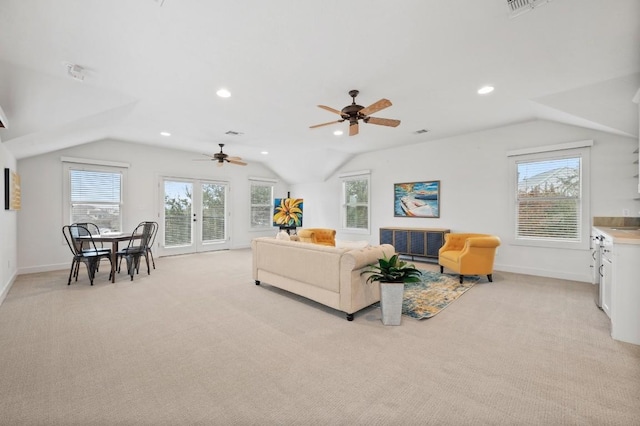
(435, 292)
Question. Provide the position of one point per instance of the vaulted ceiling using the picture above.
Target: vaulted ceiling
(155, 65)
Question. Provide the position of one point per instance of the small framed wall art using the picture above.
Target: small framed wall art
(416, 199)
(11, 190)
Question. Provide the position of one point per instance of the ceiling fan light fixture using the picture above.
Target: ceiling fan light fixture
(355, 113)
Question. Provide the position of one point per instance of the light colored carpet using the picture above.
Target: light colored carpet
(198, 343)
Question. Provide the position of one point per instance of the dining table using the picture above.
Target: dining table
(114, 238)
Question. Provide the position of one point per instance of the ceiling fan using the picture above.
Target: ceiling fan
(353, 113)
(221, 157)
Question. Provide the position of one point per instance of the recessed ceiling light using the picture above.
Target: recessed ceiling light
(223, 93)
(264, 152)
(338, 132)
(165, 133)
(484, 90)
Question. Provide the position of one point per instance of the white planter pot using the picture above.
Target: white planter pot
(391, 295)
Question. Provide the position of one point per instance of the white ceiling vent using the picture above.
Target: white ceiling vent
(518, 7)
(3, 119)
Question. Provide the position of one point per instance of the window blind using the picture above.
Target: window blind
(96, 197)
(549, 199)
(356, 202)
(261, 199)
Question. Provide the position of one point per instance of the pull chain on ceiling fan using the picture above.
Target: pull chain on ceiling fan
(221, 157)
(354, 112)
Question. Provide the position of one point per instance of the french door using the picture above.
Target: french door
(194, 215)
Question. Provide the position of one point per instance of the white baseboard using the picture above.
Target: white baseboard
(44, 268)
(7, 287)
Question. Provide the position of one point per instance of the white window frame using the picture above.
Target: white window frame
(70, 163)
(569, 150)
(263, 183)
(349, 177)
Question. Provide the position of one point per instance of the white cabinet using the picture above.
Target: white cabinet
(625, 293)
(606, 280)
(619, 287)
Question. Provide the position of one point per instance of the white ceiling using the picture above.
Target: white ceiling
(155, 66)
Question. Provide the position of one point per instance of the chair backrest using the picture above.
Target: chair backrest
(153, 233)
(91, 229)
(146, 231)
(324, 236)
(78, 237)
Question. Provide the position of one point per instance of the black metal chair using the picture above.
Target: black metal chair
(137, 247)
(84, 250)
(152, 242)
(92, 229)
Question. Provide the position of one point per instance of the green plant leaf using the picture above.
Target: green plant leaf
(392, 270)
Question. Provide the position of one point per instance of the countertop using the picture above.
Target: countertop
(621, 235)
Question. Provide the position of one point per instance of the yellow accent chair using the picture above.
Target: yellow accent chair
(468, 254)
(323, 236)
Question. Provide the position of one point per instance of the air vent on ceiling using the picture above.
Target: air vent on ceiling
(3, 119)
(75, 71)
(233, 133)
(421, 131)
(518, 7)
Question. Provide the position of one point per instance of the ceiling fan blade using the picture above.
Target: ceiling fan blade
(238, 162)
(375, 107)
(326, 124)
(353, 129)
(383, 121)
(333, 110)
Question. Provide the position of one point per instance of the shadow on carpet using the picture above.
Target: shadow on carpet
(435, 292)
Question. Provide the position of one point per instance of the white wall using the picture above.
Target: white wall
(474, 173)
(41, 246)
(8, 231)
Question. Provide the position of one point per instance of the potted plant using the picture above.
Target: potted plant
(392, 274)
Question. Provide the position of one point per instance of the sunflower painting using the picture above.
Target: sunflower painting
(287, 212)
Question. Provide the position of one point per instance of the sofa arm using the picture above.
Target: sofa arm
(355, 292)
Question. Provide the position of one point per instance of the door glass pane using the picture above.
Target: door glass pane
(213, 212)
(178, 202)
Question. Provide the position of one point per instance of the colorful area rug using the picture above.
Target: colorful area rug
(435, 292)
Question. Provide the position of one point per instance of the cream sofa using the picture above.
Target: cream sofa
(327, 275)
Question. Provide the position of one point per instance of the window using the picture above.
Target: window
(551, 197)
(355, 201)
(94, 194)
(261, 199)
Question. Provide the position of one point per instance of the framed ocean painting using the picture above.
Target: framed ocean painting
(416, 199)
